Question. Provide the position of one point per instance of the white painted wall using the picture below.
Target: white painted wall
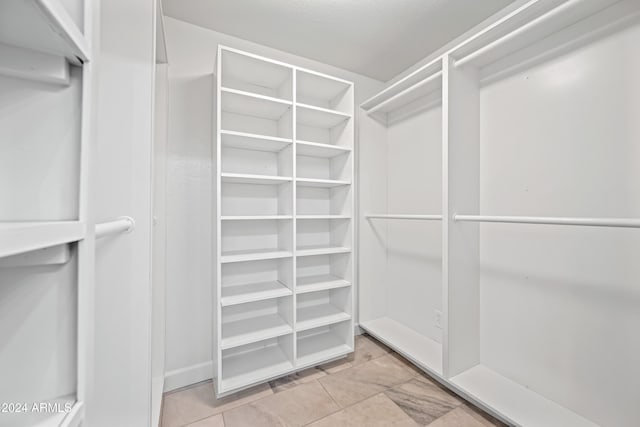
(122, 186)
(414, 248)
(560, 306)
(189, 199)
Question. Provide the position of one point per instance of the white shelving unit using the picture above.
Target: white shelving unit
(47, 42)
(456, 296)
(284, 258)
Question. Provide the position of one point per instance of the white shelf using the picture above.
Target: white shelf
(421, 350)
(253, 217)
(314, 316)
(254, 329)
(21, 237)
(253, 255)
(252, 367)
(323, 183)
(245, 68)
(243, 178)
(320, 347)
(321, 282)
(322, 89)
(319, 117)
(321, 250)
(43, 26)
(251, 141)
(240, 294)
(514, 401)
(323, 217)
(316, 149)
(251, 104)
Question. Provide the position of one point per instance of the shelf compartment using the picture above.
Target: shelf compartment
(243, 178)
(246, 113)
(321, 171)
(256, 74)
(43, 26)
(255, 363)
(325, 183)
(323, 200)
(323, 91)
(316, 149)
(320, 345)
(318, 117)
(514, 401)
(254, 239)
(21, 237)
(323, 233)
(252, 141)
(250, 281)
(320, 282)
(257, 163)
(316, 309)
(323, 272)
(240, 199)
(421, 350)
(256, 321)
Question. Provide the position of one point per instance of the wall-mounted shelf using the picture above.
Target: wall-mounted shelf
(250, 292)
(321, 250)
(44, 26)
(251, 104)
(250, 141)
(315, 149)
(325, 183)
(253, 255)
(310, 115)
(21, 237)
(239, 178)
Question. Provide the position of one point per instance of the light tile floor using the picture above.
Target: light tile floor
(372, 387)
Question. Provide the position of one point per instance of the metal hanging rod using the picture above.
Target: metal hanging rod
(418, 217)
(588, 222)
(124, 224)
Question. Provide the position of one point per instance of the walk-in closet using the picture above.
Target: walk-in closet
(250, 213)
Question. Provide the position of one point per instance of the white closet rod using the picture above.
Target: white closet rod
(589, 222)
(496, 43)
(124, 224)
(420, 217)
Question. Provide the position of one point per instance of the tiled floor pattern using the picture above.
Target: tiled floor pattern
(372, 387)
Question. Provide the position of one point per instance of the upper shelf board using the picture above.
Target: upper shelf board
(316, 149)
(21, 237)
(250, 104)
(245, 68)
(250, 141)
(43, 26)
(324, 91)
(319, 117)
(532, 22)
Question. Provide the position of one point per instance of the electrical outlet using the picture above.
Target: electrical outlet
(438, 319)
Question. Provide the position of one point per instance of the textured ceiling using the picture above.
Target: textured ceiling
(376, 38)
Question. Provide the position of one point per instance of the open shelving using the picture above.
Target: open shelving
(504, 314)
(285, 171)
(20, 237)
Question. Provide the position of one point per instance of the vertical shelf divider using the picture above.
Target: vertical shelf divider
(461, 192)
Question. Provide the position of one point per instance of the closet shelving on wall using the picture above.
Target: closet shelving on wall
(43, 222)
(426, 286)
(284, 177)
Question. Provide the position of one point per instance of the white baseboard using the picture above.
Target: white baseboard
(186, 376)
